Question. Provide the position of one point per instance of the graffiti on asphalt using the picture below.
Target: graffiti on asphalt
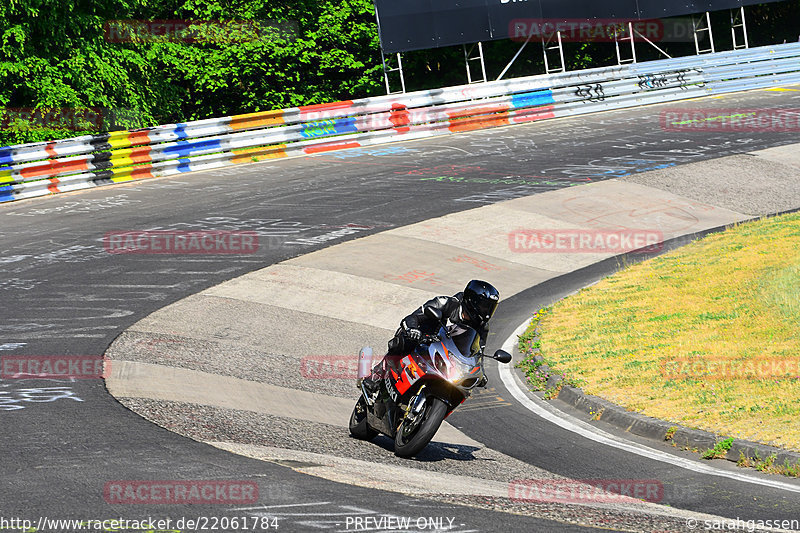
(14, 399)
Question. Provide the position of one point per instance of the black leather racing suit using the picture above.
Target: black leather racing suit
(448, 305)
(400, 345)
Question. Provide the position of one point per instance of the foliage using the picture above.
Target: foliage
(719, 450)
(58, 54)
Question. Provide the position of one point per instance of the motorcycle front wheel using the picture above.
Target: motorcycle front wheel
(412, 438)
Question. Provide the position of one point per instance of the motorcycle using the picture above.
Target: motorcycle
(419, 390)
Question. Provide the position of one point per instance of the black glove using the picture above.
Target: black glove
(413, 334)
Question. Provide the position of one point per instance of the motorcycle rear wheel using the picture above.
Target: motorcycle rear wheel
(406, 445)
(358, 422)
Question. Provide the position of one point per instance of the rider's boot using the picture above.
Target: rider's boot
(370, 384)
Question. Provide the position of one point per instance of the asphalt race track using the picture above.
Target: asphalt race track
(63, 294)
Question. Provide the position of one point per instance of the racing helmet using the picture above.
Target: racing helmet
(478, 303)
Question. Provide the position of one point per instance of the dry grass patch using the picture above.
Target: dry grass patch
(684, 337)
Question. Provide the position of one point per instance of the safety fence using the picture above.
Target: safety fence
(36, 169)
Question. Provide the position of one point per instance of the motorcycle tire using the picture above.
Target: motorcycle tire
(358, 422)
(435, 412)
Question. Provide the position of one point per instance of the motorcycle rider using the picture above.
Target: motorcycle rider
(473, 307)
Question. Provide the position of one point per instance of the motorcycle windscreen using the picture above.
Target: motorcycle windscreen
(464, 345)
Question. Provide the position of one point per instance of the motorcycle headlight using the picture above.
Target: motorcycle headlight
(441, 366)
(461, 373)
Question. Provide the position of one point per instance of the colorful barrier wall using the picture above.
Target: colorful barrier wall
(37, 169)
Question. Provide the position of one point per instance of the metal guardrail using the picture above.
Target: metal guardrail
(38, 169)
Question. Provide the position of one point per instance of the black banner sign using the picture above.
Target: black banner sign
(420, 24)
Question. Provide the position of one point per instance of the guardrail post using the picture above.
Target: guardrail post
(546, 46)
(479, 57)
(738, 21)
(388, 70)
(700, 26)
(617, 40)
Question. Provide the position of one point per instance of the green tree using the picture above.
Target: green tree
(57, 54)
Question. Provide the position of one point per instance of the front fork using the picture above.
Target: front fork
(415, 409)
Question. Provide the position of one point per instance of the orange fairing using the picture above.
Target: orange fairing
(412, 365)
(409, 375)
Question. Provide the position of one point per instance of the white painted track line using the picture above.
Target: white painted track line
(570, 423)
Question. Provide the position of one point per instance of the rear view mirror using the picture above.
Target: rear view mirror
(502, 356)
(433, 314)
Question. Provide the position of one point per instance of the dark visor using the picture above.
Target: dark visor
(486, 307)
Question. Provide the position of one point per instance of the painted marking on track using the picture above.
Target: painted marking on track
(182, 272)
(14, 399)
(267, 507)
(484, 399)
(19, 284)
(449, 148)
(570, 423)
(131, 286)
(11, 345)
(346, 512)
(484, 407)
